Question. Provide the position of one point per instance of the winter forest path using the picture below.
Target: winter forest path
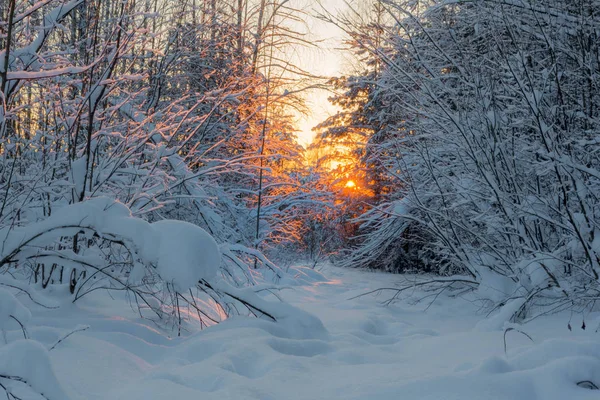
(370, 352)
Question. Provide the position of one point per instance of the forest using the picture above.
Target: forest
(150, 154)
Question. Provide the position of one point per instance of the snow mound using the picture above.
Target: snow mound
(292, 322)
(11, 308)
(298, 323)
(182, 253)
(493, 286)
(28, 360)
(501, 318)
(299, 276)
(554, 369)
(186, 253)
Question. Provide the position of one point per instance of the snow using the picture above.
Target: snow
(25, 368)
(29, 361)
(182, 253)
(293, 322)
(324, 346)
(11, 309)
(18, 75)
(186, 253)
(78, 171)
(498, 320)
(28, 53)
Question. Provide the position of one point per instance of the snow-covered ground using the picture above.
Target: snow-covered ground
(365, 351)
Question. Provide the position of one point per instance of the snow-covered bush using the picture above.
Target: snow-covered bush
(95, 104)
(492, 124)
(167, 267)
(393, 243)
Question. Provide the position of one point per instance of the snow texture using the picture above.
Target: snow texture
(330, 348)
(11, 309)
(182, 253)
(186, 253)
(29, 361)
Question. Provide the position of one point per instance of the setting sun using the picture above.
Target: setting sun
(350, 184)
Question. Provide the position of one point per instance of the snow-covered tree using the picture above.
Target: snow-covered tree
(490, 117)
(179, 111)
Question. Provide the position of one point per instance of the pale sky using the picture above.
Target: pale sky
(326, 60)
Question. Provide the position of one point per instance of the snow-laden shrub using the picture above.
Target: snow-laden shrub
(393, 243)
(181, 253)
(169, 267)
(493, 120)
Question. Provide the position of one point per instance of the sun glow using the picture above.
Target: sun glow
(351, 184)
(326, 59)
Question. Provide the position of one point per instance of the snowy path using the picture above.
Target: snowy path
(370, 352)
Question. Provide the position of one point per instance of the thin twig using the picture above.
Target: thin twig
(84, 328)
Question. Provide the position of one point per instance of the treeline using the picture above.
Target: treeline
(480, 122)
